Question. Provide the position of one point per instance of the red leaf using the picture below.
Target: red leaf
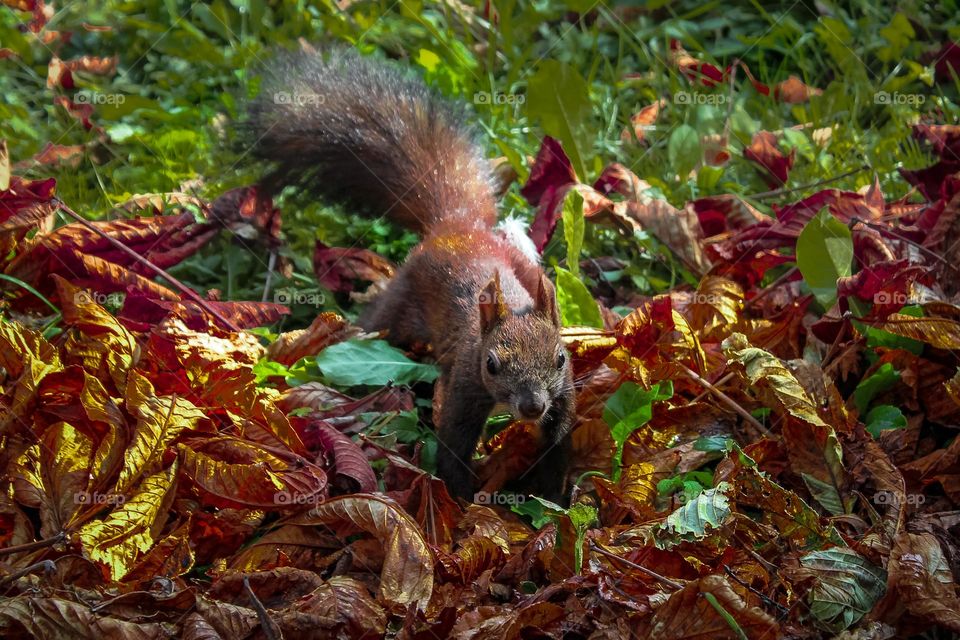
(349, 460)
(695, 70)
(763, 150)
(339, 268)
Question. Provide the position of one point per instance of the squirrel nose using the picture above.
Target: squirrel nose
(532, 407)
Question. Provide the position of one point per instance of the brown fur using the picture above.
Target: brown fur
(386, 144)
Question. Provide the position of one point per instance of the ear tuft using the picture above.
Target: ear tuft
(492, 307)
(546, 300)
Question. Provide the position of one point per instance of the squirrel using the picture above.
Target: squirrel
(364, 133)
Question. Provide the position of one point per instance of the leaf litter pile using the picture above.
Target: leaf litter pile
(746, 466)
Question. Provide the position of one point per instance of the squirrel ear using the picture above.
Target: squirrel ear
(546, 300)
(492, 307)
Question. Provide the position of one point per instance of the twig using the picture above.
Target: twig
(804, 187)
(653, 574)
(48, 567)
(766, 600)
(30, 546)
(184, 289)
(266, 622)
(727, 400)
(722, 381)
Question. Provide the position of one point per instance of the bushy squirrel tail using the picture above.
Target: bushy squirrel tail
(361, 132)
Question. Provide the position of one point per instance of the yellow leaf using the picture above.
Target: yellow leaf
(942, 333)
(716, 307)
(132, 527)
(639, 485)
(53, 476)
(99, 343)
(27, 358)
(777, 387)
(159, 421)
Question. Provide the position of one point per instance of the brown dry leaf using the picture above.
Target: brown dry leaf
(687, 614)
(238, 473)
(813, 448)
(643, 120)
(327, 329)
(638, 486)
(301, 546)
(341, 604)
(679, 229)
(133, 527)
(475, 555)
(59, 618)
(157, 203)
(229, 620)
(783, 510)
(53, 154)
(919, 574)
(407, 576)
(952, 387)
(170, 558)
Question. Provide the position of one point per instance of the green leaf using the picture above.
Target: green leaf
(825, 253)
(577, 306)
(370, 362)
(573, 229)
(629, 408)
(714, 444)
(883, 417)
(581, 516)
(559, 97)
(883, 379)
(541, 512)
(844, 588)
(683, 150)
(899, 33)
(267, 369)
(694, 519)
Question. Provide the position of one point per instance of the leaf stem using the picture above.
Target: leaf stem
(727, 400)
(653, 574)
(184, 289)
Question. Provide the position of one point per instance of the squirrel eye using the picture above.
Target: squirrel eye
(560, 360)
(493, 364)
